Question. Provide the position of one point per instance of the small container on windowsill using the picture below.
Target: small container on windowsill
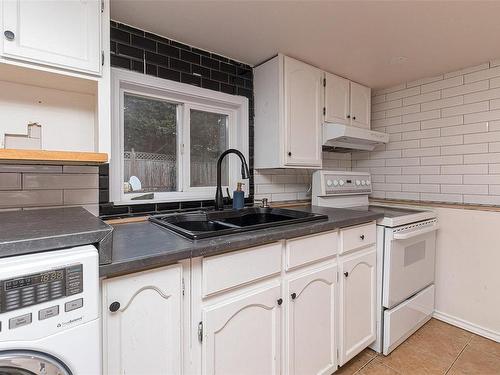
(238, 197)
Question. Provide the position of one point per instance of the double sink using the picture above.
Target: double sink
(204, 224)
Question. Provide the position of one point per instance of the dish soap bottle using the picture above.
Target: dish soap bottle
(238, 196)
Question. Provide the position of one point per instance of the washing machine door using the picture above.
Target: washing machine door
(30, 363)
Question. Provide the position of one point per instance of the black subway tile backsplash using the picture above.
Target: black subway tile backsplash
(145, 43)
(180, 65)
(123, 49)
(169, 74)
(168, 50)
(135, 49)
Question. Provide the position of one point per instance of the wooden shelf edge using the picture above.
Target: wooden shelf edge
(53, 156)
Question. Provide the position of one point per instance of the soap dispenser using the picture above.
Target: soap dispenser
(238, 197)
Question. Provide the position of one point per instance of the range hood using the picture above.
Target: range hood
(352, 138)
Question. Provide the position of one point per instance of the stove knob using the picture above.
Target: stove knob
(368, 182)
(358, 182)
(329, 182)
(335, 182)
(363, 182)
(341, 182)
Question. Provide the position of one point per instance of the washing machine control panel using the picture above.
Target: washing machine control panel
(32, 289)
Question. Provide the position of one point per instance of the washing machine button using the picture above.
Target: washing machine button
(19, 321)
(73, 305)
(49, 312)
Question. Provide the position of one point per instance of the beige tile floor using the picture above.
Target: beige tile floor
(436, 348)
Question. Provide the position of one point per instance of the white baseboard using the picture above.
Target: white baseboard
(471, 327)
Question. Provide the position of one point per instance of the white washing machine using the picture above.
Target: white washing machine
(49, 313)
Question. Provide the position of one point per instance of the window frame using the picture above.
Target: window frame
(187, 97)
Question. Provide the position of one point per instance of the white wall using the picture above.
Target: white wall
(294, 184)
(68, 118)
(468, 270)
(444, 138)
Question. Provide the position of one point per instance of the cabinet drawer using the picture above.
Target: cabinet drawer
(222, 272)
(357, 237)
(312, 248)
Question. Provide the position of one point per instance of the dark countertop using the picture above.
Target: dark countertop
(143, 245)
(32, 231)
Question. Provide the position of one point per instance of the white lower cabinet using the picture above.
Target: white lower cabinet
(242, 335)
(357, 303)
(142, 323)
(310, 322)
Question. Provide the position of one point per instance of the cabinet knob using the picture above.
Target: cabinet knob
(114, 307)
(346, 274)
(293, 295)
(354, 117)
(9, 35)
(348, 116)
(280, 301)
(362, 237)
(289, 153)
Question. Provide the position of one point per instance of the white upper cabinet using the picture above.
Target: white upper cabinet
(142, 323)
(347, 102)
(242, 335)
(58, 33)
(360, 105)
(337, 100)
(311, 322)
(357, 302)
(288, 114)
(303, 97)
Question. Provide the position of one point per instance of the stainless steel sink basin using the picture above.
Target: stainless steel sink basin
(204, 224)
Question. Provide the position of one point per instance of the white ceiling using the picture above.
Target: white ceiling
(355, 39)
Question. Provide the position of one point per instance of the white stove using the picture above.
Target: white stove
(406, 241)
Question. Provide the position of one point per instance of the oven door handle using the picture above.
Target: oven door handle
(411, 234)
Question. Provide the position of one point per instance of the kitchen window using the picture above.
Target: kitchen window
(167, 137)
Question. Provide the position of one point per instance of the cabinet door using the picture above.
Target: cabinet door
(144, 335)
(357, 302)
(337, 100)
(60, 33)
(303, 114)
(311, 321)
(243, 335)
(360, 105)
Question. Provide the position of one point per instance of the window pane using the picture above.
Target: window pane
(150, 145)
(209, 138)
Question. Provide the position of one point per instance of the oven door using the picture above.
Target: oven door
(409, 258)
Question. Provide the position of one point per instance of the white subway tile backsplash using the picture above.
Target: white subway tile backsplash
(424, 188)
(378, 99)
(419, 134)
(494, 82)
(482, 116)
(465, 169)
(421, 116)
(466, 129)
(482, 199)
(402, 195)
(429, 151)
(482, 137)
(477, 148)
(482, 95)
(386, 187)
(410, 126)
(402, 179)
(387, 105)
(483, 74)
(402, 162)
(494, 189)
(433, 169)
(494, 169)
(442, 141)
(403, 93)
(386, 122)
(441, 160)
(422, 98)
(389, 90)
(482, 179)
(439, 85)
(464, 189)
(465, 89)
(441, 179)
(442, 103)
(482, 158)
(466, 108)
(442, 122)
(403, 145)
